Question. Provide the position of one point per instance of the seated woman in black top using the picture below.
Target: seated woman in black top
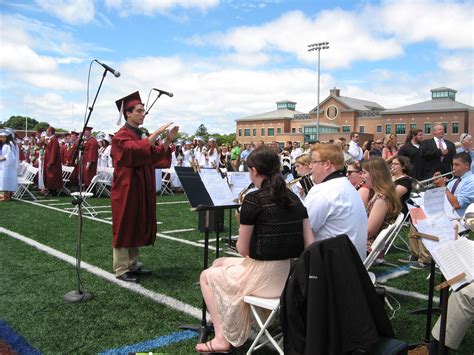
(400, 168)
(274, 227)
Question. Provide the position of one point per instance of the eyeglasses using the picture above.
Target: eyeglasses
(349, 172)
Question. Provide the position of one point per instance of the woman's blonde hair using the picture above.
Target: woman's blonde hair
(304, 159)
(382, 183)
(389, 138)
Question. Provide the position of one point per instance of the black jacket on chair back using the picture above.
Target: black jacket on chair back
(329, 304)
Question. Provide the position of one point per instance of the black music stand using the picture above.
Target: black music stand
(200, 201)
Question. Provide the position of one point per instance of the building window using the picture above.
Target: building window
(427, 128)
(388, 128)
(240, 132)
(400, 128)
(300, 130)
(247, 132)
(455, 128)
(346, 129)
(262, 132)
(293, 130)
(361, 129)
(278, 130)
(412, 125)
(271, 131)
(445, 125)
(379, 128)
(254, 133)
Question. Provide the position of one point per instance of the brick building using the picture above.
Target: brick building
(339, 115)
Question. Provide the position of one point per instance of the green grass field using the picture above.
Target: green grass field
(33, 283)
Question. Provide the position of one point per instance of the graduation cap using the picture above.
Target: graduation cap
(88, 129)
(211, 139)
(74, 132)
(126, 102)
(3, 133)
(188, 142)
(199, 138)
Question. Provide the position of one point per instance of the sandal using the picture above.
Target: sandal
(210, 349)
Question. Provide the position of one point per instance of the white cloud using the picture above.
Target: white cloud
(292, 32)
(69, 11)
(448, 23)
(23, 59)
(53, 81)
(151, 7)
(369, 33)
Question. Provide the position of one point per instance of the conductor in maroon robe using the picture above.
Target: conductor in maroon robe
(90, 157)
(133, 194)
(52, 164)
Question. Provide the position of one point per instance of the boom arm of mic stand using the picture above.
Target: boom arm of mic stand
(148, 110)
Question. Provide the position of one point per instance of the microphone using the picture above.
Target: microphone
(170, 94)
(116, 73)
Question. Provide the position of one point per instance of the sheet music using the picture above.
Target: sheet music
(438, 225)
(433, 201)
(239, 180)
(454, 258)
(217, 187)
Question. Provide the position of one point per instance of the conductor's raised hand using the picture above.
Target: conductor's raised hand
(162, 128)
(172, 133)
(152, 138)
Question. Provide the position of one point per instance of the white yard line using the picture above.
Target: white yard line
(171, 202)
(161, 235)
(154, 296)
(179, 230)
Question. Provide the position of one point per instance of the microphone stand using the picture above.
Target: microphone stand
(148, 110)
(79, 295)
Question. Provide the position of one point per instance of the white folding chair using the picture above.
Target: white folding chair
(66, 176)
(397, 234)
(21, 172)
(166, 183)
(104, 183)
(84, 195)
(273, 305)
(24, 183)
(382, 240)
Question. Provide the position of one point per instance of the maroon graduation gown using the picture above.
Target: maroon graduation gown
(133, 194)
(91, 154)
(52, 165)
(73, 180)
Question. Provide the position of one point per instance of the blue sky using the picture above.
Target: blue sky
(227, 59)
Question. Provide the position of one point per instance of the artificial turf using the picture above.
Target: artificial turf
(32, 283)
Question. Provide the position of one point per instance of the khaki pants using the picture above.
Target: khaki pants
(460, 317)
(125, 260)
(417, 248)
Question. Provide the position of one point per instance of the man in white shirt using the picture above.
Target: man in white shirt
(333, 204)
(355, 151)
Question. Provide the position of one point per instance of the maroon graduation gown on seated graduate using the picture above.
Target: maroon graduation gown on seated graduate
(52, 165)
(91, 154)
(133, 194)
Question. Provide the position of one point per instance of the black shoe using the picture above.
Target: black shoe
(128, 277)
(141, 271)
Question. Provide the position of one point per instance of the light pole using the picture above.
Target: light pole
(318, 47)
